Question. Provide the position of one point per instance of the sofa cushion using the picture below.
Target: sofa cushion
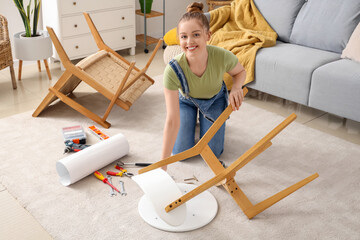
(335, 88)
(326, 24)
(285, 70)
(352, 49)
(280, 14)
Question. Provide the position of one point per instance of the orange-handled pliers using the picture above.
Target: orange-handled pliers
(121, 173)
(102, 178)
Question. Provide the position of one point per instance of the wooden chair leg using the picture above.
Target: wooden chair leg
(47, 69)
(78, 107)
(260, 207)
(13, 79)
(47, 100)
(20, 67)
(39, 65)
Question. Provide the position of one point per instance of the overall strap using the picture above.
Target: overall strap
(181, 76)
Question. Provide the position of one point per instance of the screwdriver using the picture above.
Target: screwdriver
(102, 178)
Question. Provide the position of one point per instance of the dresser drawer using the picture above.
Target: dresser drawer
(85, 45)
(78, 6)
(75, 25)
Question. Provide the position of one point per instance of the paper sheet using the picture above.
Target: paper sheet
(79, 165)
(162, 190)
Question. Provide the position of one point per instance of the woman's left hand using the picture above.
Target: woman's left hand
(236, 97)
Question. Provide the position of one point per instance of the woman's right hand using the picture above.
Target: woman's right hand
(172, 123)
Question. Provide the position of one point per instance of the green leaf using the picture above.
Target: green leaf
(36, 16)
(28, 14)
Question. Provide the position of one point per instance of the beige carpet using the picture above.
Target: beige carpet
(327, 208)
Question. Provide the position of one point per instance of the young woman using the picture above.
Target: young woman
(194, 84)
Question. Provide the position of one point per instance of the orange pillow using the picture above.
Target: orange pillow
(171, 38)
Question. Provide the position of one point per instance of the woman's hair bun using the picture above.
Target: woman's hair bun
(195, 7)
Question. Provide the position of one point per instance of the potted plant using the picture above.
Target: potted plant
(31, 44)
(147, 7)
(26, 15)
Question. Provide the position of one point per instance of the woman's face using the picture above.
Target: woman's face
(193, 37)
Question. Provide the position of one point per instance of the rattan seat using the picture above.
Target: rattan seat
(6, 59)
(106, 71)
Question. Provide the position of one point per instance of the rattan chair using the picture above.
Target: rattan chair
(6, 59)
(217, 3)
(105, 71)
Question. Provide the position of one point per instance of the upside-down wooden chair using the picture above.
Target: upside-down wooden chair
(105, 71)
(225, 176)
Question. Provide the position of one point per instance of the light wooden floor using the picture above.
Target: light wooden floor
(17, 223)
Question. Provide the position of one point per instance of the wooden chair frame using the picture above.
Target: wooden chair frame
(227, 175)
(66, 85)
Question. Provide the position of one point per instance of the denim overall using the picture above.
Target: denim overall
(209, 111)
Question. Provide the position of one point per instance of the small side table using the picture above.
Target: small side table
(33, 49)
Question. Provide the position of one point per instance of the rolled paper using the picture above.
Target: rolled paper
(81, 164)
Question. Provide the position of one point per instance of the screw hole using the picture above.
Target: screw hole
(170, 206)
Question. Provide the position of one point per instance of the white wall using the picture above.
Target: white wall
(174, 9)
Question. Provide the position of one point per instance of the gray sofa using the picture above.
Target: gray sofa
(305, 65)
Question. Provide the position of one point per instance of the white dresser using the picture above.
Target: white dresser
(114, 19)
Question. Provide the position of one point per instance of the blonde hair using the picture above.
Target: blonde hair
(195, 11)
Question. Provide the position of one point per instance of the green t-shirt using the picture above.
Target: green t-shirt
(209, 84)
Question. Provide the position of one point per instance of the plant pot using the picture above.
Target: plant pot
(148, 4)
(32, 48)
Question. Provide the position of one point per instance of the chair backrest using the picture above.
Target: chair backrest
(5, 54)
(59, 48)
(4, 32)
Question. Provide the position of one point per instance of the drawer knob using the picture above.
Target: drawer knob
(123, 18)
(123, 38)
(74, 3)
(76, 46)
(75, 25)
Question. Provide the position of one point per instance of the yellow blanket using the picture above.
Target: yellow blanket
(241, 29)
